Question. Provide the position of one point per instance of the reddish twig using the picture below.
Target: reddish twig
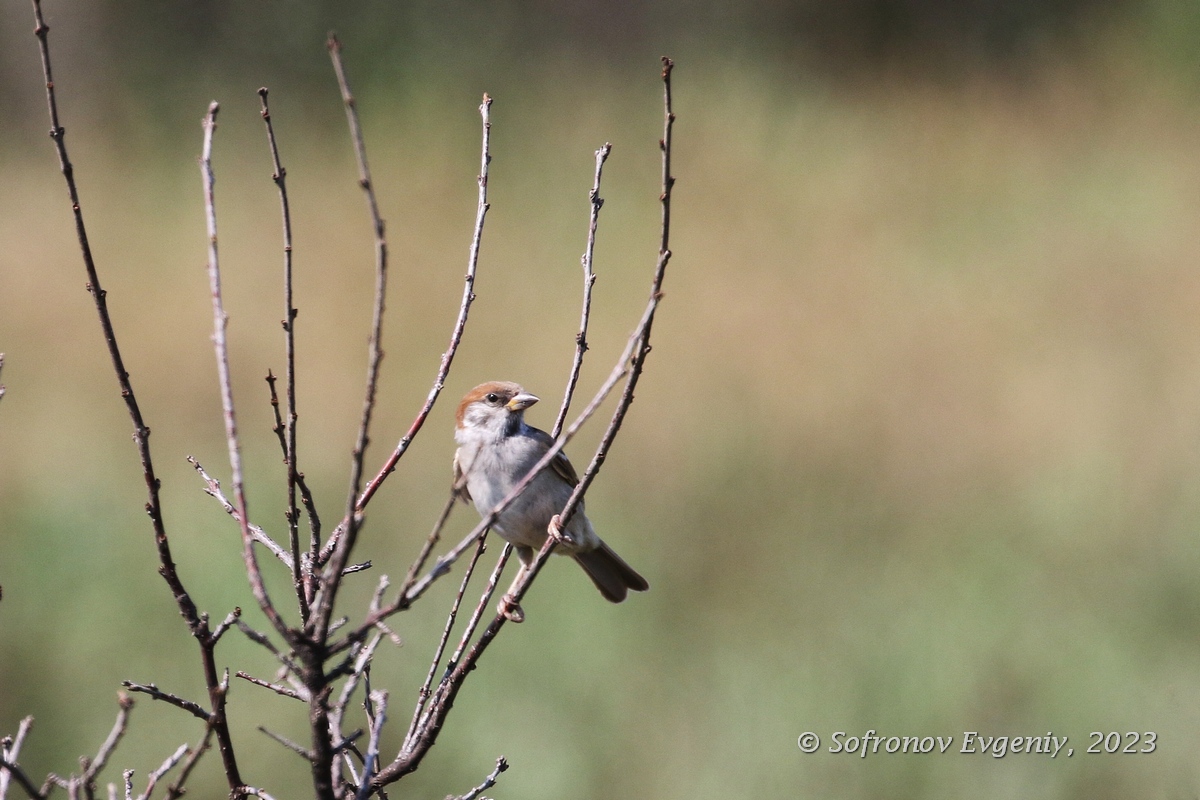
(92, 767)
(464, 309)
(289, 331)
(10, 751)
(456, 333)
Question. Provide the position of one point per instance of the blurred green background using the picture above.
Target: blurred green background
(918, 448)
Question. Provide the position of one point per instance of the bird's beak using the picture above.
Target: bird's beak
(522, 401)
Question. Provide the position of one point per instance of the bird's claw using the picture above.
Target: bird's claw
(510, 609)
(560, 535)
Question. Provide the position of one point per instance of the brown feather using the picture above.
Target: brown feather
(612, 576)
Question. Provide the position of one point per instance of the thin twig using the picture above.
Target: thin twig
(306, 498)
(589, 279)
(221, 349)
(1, 370)
(371, 760)
(289, 666)
(141, 432)
(176, 789)
(195, 709)
(124, 703)
(289, 330)
(163, 769)
(304, 752)
(250, 791)
(430, 542)
(488, 782)
(464, 309)
(274, 687)
(8, 767)
(226, 624)
(10, 752)
(327, 592)
(212, 487)
(484, 599)
(423, 695)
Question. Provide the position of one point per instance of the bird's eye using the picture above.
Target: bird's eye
(493, 398)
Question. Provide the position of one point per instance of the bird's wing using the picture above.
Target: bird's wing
(460, 481)
(560, 463)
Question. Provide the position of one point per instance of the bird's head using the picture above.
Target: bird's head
(493, 409)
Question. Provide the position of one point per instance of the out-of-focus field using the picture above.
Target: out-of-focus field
(917, 450)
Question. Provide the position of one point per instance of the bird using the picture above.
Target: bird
(496, 449)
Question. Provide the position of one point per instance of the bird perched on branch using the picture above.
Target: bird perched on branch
(496, 449)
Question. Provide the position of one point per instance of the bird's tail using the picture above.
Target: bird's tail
(612, 576)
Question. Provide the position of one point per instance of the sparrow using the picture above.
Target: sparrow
(496, 449)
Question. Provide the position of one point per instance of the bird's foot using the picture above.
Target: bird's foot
(560, 535)
(510, 609)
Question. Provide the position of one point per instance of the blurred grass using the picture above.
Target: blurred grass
(916, 451)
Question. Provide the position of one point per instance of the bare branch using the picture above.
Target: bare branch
(221, 349)
(176, 790)
(250, 791)
(1, 370)
(304, 752)
(423, 695)
(195, 709)
(488, 782)
(327, 591)
(484, 600)
(371, 761)
(306, 498)
(289, 330)
(141, 432)
(225, 625)
(212, 487)
(589, 279)
(8, 767)
(274, 687)
(430, 542)
(163, 769)
(10, 752)
(262, 640)
(125, 703)
(463, 310)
